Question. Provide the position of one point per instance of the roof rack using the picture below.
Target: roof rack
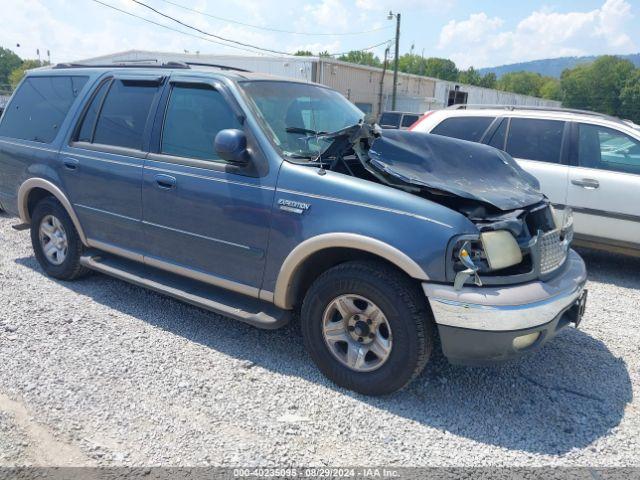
(147, 64)
(122, 65)
(464, 106)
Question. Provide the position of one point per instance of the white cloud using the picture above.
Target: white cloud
(480, 41)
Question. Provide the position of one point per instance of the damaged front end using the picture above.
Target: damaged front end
(520, 236)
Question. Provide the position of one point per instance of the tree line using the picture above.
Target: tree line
(608, 85)
(12, 69)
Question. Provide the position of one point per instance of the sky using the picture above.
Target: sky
(471, 33)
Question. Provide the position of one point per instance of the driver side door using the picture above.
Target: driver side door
(204, 218)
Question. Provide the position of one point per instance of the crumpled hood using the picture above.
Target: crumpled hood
(466, 169)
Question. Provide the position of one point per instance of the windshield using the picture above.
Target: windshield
(296, 115)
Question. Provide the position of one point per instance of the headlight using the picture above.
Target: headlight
(489, 251)
(500, 249)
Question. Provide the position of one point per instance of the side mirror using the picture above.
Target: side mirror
(231, 145)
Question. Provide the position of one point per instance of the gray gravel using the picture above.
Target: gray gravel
(99, 372)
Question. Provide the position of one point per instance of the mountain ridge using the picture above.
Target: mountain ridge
(552, 67)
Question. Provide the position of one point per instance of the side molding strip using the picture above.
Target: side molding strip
(23, 196)
(282, 295)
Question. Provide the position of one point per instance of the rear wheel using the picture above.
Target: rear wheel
(367, 327)
(55, 241)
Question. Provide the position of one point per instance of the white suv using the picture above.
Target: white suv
(587, 161)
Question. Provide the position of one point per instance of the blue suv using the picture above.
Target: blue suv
(265, 199)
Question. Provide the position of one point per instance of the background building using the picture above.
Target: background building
(363, 85)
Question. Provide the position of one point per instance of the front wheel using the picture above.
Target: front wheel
(367, 327)
(55, 241)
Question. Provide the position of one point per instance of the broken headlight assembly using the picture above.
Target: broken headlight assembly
(472, 256)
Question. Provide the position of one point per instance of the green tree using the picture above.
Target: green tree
(597, 86)
(441, 68)
(550, 89)
(16, 75)
(524, 83)
(361, 58)
(470, 76)
(630, 98)
(9, 61)
(304, 53)
(489, 80)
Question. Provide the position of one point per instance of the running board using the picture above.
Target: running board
(230, 304)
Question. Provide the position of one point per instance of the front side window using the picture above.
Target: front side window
(40, 106)
(535, 139)
(464, 128)
(608, 149)
(193, 118)
(293, 114)
(124, 112)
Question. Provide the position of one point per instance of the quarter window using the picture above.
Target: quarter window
(464, 128)
(535, 139)
(194, 117)
(608, 149)
(499, 136)
(124, 114)
(40, 106)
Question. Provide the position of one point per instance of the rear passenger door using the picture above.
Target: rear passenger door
(205, 218)
(604, 186)
(101, 166)
(541, 147)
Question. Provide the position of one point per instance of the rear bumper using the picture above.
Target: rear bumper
(478, 325)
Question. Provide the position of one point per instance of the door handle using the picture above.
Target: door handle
(166, 182)
(70, 163)
(588, 183)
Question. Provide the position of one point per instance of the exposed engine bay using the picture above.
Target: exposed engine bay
(521, 236)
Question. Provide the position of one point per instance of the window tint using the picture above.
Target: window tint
(534, 139)
(409, 120)
(40, 106)
(124, 114)
(193, 119)
(389, 119)
(86, 130)
(498, 137)
(464, 128)
(608, 149)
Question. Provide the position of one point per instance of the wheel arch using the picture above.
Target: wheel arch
(317, 254)
(41, 188)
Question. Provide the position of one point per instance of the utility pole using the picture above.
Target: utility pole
(395, 60)
(384, 71)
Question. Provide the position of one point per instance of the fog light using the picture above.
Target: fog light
(525, 340)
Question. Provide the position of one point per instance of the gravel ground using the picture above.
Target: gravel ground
(99, 372)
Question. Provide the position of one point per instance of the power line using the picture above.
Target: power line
(270, 29)
(171, 28)
(221, 39)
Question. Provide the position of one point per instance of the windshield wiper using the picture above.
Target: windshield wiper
(305, 131)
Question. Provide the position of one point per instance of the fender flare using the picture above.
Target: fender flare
(23, 202)
(296, 258)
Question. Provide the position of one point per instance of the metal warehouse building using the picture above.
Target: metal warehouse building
(363, 85)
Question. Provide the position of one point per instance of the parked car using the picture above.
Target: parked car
(398, 120)
(220, 189)
(584, 160)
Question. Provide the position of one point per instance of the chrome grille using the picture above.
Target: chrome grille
(553, 251)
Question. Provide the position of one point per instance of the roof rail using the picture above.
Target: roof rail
(464, 106)
(216, 65)
(122, 65)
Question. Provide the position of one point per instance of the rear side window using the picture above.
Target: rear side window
(408, 120)
(86, 130)
(124, 113)
(464, 128)
(390, 119)
(194, 117)
(40, 106)
(535, 139)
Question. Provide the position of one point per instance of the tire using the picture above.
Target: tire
(66, 265)
(409, 327)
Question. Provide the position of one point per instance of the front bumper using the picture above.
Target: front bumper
(478, 325)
